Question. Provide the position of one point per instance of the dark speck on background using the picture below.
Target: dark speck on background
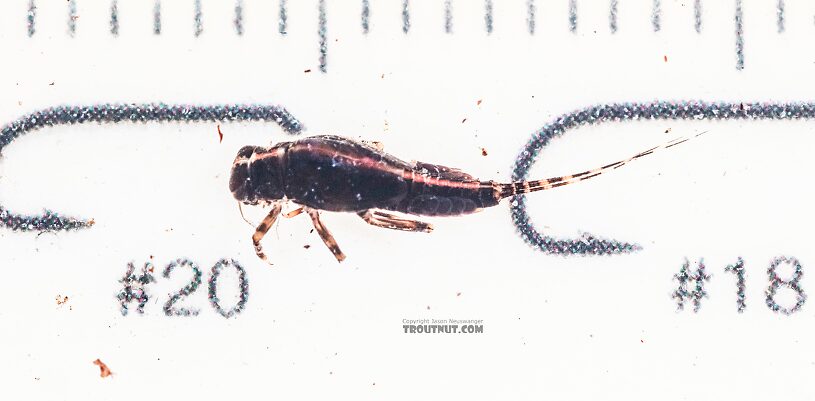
(307, 71)
(483, 151)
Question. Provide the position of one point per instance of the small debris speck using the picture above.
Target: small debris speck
(483, 151)
(220, 134)
(307, 71)
(462, 121)
(103, 369)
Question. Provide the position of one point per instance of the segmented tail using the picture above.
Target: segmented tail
(523, 187)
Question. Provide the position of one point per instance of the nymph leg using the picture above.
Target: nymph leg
(385, 220)
(293, 213)
(324, 234)
(263, 228)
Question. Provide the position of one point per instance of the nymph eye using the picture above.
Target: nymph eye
(246, 152)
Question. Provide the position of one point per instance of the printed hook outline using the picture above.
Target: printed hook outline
(618, 112)
(131, 112)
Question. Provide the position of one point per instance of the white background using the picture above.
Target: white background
(554, 327)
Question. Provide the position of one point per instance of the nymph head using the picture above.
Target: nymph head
(257, 174)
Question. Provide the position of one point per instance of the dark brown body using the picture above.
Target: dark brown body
(337, 174)
(332, 173)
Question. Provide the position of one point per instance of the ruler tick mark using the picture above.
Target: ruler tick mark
(114, 18)
(739, 17)
(530, 16)
(656, 15)
(323, 22)
(157, 18)
(72, 17)
(612, 16)
(282, 17)
(448, 16)
(30, 15)
(780, 13)
(239, 17)
(366, 14)
(199, 25)
(488, 16)
(405, 16)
